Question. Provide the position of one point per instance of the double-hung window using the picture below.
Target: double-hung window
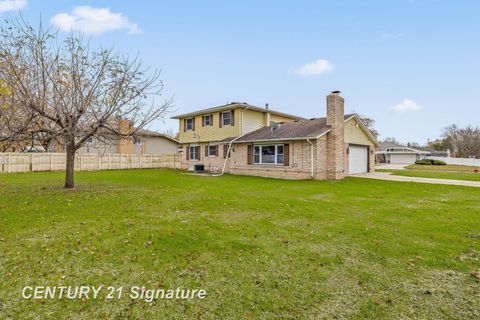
(194, 152)
(207, 120)
(227, 118)
(189, 124)
(268, 154)
(212, 150)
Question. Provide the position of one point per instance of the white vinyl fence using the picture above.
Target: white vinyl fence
(32, 162)
(460, 161)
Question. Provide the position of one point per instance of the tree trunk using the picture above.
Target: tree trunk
(69, 177)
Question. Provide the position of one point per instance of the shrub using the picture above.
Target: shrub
(424, 161)
(439, 163)
(430, 162)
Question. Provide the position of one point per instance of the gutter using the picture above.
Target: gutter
(311, 158)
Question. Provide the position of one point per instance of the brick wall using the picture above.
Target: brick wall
(299, 162)
(212, 164)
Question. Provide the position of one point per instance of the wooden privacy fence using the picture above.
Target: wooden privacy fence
(32, 162)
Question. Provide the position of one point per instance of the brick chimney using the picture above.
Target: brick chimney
(336, 137)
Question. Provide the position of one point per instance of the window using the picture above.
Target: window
(189, 124)
(137, 140)
(194, 152)
(212, 151)
(90, 140)
(226, 154)
(268, 154)
(227, 118)
(207, 120)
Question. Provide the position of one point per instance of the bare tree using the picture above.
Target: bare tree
(463, 142)
(73, 91)
(391, 140)
(370, 124)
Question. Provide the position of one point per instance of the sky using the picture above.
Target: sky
(411, 65)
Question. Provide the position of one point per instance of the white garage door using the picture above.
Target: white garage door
(403, 158)
(357, 159)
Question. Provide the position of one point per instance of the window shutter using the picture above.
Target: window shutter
(211, 120)
(206, 150)
(188, 152)
(193, 124)
(286, 154)
(220, 120)
(216, 151)
(225, 149)
(184, 125)
(233, 117)
(203, 121)
(249, 154)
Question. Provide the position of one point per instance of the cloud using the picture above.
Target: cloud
(12, 5)
(406, 106)
(93, 20)
(314, 68)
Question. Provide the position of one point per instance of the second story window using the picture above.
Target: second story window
(227, 118)
(189, 124)
(207, 120)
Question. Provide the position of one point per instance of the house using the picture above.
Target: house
(243, 139)
(144, 142)
(394, 153)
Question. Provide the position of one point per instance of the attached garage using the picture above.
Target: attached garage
(357, 159)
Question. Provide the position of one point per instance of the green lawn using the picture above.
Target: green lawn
(452, 172)
(261, 248)
(448, 167)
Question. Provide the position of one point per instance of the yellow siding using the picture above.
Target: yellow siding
(354, 134)
(252, 120)
(277, 118)
(209, 133)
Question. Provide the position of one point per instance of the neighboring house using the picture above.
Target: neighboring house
(267, 143)
(397, 154)
(144, 142)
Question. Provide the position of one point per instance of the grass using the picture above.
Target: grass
(435, 174)
(261, 248)
(448, 167)
(449, 171)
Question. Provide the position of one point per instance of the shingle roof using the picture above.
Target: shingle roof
(384, 145)
(232, 106)
(150, 133)
(299, 129)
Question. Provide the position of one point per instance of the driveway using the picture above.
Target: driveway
(388, 176)
(391, 166)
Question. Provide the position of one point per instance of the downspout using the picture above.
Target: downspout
(311, 157)
(230, 144)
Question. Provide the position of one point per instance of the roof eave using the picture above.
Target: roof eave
(370, 135)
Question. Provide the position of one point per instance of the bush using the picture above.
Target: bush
(424, 161)
(439, 163)
(430, 162)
